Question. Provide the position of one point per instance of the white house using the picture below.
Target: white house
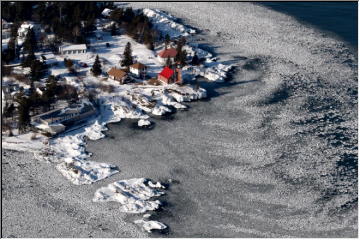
(25, 26)
(138, 69)
(72, 49)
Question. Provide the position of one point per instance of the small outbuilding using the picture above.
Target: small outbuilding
(118, 75)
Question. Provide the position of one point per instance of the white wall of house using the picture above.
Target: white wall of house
(135, 71)
(73, 49)
(68, 52)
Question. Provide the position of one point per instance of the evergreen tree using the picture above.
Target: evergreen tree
(182, 41)
(167, 41)
(9, 110)
(195, 60)
(168, 62)
(27, 61)
(24, 112)
(128, 59)
(182, 58)
(9, 53)
(113, 30)
(51, 90)
(14, 30)
(35, 100)
(30, 41)
(36, 70)
(117, 15)
(128, 15)
(96, 68)
(179, 53)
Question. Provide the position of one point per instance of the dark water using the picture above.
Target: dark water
(336, 17)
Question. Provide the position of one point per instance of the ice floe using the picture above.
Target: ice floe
(149, 225)
(86, 172)
(134, 195)
(143, 122)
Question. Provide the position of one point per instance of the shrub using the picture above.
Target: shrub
(107, 88)
(21, 78)
(34, 136)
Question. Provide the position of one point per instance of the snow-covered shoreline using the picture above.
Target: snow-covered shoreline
(141, 102)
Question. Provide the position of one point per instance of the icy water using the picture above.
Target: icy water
(335, 17)
(273, 152)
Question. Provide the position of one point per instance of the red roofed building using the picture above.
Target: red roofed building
(167, 53)
(168, 75)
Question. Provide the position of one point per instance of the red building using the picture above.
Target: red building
(167, 53)
(168, 75)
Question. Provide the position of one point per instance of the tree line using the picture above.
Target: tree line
(69, 21)
(135, 24)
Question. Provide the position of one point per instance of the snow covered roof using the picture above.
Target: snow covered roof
(58, 114)
(106, 12)
(73, 47)
(25, 26)
(170, 52)
(166, 72)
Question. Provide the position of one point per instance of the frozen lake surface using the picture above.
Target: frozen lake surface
(264, 156)
(272, 153)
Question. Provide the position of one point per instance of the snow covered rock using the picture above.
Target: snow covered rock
(213, 71)
(167, 24)
(133, 195)
(143, 122)
(86, 172)
(69, 149)
(186, 93)
(155, 185)
(122, 108)
(169, 100)
(160, 109)
(94, 132)
(150, 225)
